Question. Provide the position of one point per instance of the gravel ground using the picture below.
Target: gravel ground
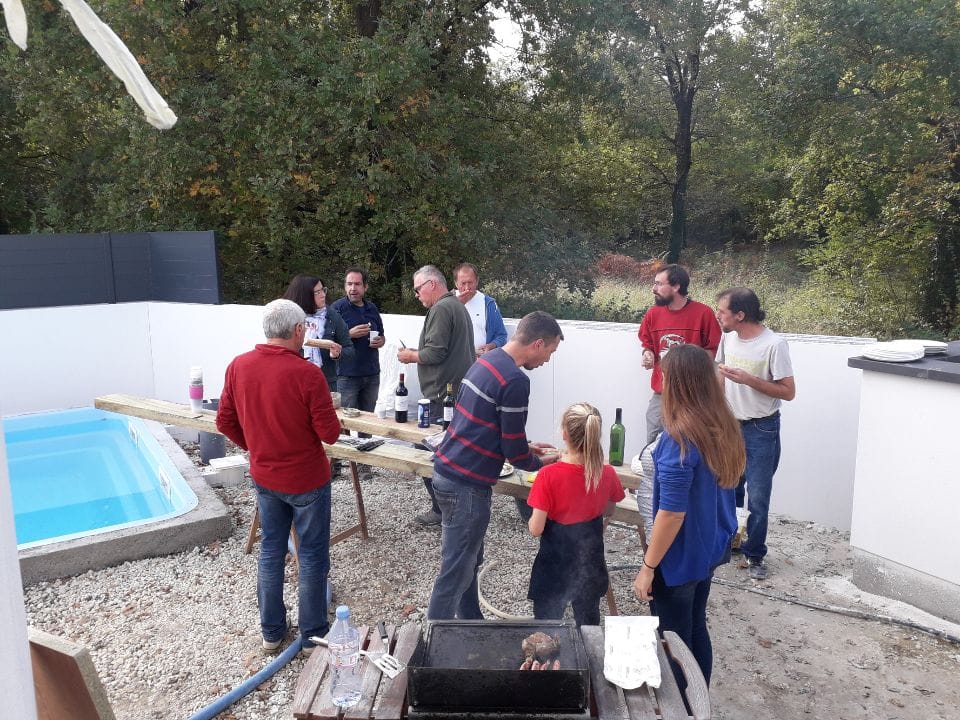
(170, 635)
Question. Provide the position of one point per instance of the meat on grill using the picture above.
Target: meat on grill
(538, 649)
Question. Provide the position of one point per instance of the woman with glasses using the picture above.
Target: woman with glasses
(323, 323)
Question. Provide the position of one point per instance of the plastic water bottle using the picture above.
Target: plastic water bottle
(196, 388)
(344, 644)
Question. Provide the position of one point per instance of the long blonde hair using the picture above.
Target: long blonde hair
(695, 411)
(582, 424)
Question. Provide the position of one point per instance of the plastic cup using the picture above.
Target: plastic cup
(374, 334)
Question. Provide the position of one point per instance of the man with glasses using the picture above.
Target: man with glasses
(674, 319)
(278, 407)
(444, 354)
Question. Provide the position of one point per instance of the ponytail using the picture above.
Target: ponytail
(583, 426)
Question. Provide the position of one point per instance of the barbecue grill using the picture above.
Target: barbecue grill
(471, 669)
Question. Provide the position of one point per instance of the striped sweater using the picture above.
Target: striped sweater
(488, 423)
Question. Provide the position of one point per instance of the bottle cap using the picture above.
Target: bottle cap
(196, 373)
(343, 612)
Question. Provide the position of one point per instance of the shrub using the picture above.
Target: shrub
(624, 267)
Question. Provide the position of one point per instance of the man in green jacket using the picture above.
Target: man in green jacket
(445, 351)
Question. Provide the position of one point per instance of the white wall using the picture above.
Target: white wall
(148, 348)
(906, 496)
(206, 335)
(16, 680)
(63, 357)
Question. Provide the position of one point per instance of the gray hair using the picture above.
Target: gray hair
(431, 272)
(280, 317)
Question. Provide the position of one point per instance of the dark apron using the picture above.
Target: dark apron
(570, 563)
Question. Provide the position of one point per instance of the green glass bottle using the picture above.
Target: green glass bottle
(617, 438)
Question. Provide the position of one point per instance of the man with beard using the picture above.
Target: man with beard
(358, 379)
(673, 320)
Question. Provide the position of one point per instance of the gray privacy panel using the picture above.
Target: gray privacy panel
(184, 267)
(90, 268)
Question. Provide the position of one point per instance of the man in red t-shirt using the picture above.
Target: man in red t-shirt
(277, 405)
(674, 319)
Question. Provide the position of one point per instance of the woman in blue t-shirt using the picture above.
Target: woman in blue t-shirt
(698, 463)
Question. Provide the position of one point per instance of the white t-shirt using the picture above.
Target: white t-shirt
(477, 310)
(767, 357)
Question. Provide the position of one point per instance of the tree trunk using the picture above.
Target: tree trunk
(368, 17)
(681, 74)
(683, 148)
(941, 296)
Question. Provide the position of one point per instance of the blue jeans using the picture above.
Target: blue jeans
(465, 513)
(309, 513)
(359, 392)
(762, 439)
(683, 609)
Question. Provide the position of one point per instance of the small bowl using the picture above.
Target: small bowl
(350, 412)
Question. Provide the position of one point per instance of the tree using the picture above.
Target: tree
(654, 66)
(866, 91)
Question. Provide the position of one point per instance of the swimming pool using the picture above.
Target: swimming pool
(75, 473)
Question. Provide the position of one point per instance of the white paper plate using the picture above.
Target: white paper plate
(895, 351)
(506, 470)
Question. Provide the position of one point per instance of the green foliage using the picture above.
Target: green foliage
(825, 132)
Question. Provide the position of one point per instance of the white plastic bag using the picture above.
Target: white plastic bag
(642, 465)
(630, 651)
(390, 369)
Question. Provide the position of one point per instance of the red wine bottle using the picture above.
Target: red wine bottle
(401, 402)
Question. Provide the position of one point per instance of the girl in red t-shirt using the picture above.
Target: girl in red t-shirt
(569, 500)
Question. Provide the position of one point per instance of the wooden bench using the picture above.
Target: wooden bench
(646, 703)
(385, 699)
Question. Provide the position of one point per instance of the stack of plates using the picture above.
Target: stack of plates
(896, 351)
(933, 347)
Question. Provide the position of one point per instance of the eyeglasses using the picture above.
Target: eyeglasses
(657, 283)
(418, 288)
(321, 291)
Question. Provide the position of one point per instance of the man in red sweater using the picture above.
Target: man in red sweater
(277, 405)
(674, 319)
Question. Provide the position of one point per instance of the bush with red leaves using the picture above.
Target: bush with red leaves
(624, 267)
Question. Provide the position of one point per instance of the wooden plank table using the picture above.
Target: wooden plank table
(391, 456)
(183, 416)
(386, 699)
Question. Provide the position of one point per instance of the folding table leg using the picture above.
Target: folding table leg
(358, 493)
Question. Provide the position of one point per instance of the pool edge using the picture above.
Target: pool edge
(208, 521)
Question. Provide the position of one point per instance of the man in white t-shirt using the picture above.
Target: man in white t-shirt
(489, 332)
(754, 363)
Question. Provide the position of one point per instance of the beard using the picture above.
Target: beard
(662, 301)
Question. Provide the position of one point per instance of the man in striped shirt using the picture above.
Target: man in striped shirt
(489, 426)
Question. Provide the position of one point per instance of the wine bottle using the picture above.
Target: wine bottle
(617, 437)
(447, 407)
(401, 402)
